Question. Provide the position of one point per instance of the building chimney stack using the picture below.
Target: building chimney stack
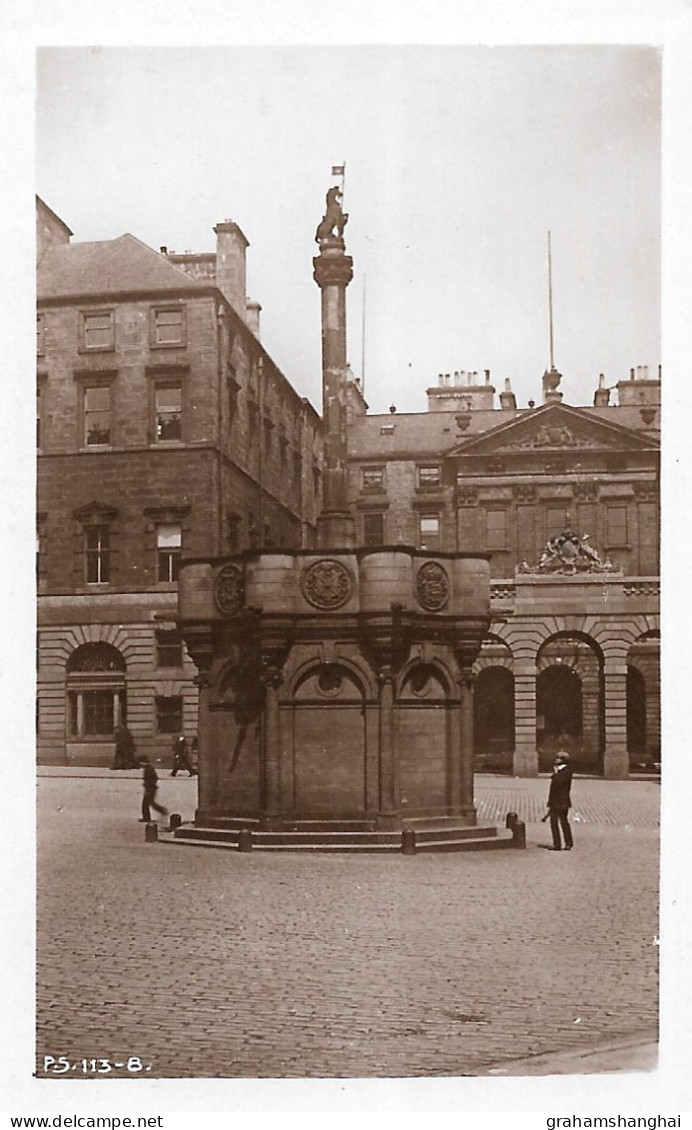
(601, 397)
(231, 246)
(507, 398)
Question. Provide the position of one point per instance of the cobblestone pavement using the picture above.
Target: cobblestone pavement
(220, 964)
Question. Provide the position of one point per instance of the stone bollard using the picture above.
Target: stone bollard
(244, 840)
(511, 819)
(408, 841)
(519, 834)
(151, 832)
(175, 821)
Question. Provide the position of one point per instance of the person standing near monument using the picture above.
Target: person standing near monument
(150, 780)
(124, 749)
(559, 802)
(180, 757)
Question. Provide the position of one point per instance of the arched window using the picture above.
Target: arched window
(95, 692)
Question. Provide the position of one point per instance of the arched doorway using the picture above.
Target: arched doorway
(570, 701)
(644, 704)
(558, 712)
(96, 699)
(493, 720)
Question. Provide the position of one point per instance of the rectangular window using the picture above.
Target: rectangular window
(39, 415)
(98, 713)
(373, 479)
(97, 415)
(98, 330)
(40, 335)
(169, 714)
(97, 554)
(429, 531)
(169, 326)
(430, 476)
(169, 648)
(555, 521)
(169, 412)
(616, 526)
(169, 545)
(373, 529)
(496, 529)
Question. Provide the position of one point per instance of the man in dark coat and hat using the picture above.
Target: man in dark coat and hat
(559, 801)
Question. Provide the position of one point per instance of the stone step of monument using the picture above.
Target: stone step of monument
(447, 839)
(334, 836)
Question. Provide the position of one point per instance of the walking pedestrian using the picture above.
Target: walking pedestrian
(150, 780)
(180, 757)
(559, 802)
(124, 749)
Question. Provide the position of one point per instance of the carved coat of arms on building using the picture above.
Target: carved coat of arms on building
(326, 584)
(568, 553)
(229, 590)
(432, 586)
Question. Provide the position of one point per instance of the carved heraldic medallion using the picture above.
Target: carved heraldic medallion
(326, 584)
(229, 590)
(432, 586)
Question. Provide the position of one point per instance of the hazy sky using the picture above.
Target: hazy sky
(458, 161)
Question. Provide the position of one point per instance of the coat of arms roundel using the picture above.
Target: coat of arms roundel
(432, 586)
(229, 590)
(326, 584)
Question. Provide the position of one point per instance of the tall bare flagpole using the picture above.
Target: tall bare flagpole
(550, 300)
(362, 343)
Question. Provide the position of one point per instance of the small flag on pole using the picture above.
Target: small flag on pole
(338, 170)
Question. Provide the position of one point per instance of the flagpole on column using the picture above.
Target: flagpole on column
(340, 171)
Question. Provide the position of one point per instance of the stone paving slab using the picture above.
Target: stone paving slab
(220, 964)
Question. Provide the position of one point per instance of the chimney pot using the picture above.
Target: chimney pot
(163, 250)
(631, 374)
(392, 408)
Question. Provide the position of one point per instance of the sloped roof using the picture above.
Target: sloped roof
(555, 426)
(112, 266)
(428, 434)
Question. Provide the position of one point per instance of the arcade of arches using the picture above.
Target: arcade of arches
(570, 704)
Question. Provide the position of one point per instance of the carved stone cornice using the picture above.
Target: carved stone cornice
(334, 270)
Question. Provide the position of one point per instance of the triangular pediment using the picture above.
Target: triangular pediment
(551, 429)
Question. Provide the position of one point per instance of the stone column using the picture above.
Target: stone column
(207, 762)
(333, 272)
(591, 715)
(389, 761)
(525, 752)
(466, 745)
(615, 759)
(271, 749)
(80, 714)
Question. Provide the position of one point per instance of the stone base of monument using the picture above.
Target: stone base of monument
(336, 699)
(429, 835)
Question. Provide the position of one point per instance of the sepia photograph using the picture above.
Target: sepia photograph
(348, 530)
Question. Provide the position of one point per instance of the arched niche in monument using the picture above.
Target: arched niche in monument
(328, 732)
(425, 737)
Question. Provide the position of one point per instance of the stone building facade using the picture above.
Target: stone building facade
(566, 501)
(165, 431)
